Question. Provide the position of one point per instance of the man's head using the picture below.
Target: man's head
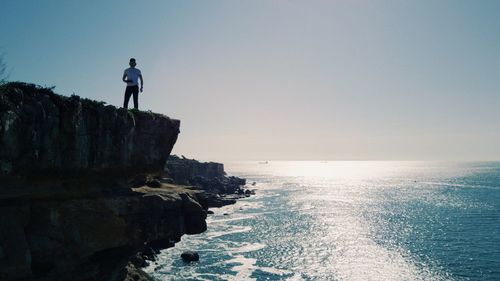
(132, 62)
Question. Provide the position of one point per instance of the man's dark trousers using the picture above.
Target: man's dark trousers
(129, 91)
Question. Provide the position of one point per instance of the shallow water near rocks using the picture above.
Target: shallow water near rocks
(350, 221)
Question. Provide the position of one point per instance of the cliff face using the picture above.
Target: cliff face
(183, 170)
(218, 189)
(67, 209)
(50, 134)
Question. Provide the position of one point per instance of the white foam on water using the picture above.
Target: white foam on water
(233, 230)
(251, 204)
(244, 269)
(247, 266)
(248, 247)
(243, 203)
(211, 277)
(229, 218)
(295, 277)
(275, 271)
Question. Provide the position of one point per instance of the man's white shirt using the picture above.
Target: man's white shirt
(132, 74)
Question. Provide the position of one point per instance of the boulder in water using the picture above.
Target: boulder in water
(189, 256)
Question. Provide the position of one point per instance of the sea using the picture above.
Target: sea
(350, 220)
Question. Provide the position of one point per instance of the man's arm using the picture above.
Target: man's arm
(142, 82)
(123, 78)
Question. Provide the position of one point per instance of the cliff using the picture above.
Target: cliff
(218, 188)
(68, 209)
(50, 134)
(183, 170)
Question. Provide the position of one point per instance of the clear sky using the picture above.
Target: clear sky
(280, 80)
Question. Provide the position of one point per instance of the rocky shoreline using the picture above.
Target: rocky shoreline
(207, 183)
(84, 190)
(219, 189)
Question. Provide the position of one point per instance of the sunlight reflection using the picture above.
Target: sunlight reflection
(330, 169)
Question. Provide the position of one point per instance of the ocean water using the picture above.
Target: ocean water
(350, 221)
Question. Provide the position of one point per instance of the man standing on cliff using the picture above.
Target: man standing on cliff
(131, 76)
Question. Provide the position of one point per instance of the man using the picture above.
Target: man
(131, 76)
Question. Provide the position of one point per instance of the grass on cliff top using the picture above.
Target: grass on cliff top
(34, 89)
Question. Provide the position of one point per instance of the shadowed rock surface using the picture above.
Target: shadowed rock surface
(44, 133)
(68, 209)
(183, 170)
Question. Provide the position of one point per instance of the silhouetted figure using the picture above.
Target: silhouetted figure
(131, 76)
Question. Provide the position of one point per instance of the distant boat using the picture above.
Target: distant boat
(263, 162)
(324, 162)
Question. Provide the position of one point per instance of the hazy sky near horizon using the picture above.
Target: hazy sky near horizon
(280, 80)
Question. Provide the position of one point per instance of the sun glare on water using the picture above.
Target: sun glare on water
(346, 220)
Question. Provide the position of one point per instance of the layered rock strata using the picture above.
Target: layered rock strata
(46, 134)
(68, 211)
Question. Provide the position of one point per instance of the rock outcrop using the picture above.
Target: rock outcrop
(183, 170)
(219, 189)
(68, 211)
(45, 134)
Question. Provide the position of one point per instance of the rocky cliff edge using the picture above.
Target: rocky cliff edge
(67, 208)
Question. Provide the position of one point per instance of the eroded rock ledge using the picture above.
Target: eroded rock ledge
(68, 211)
